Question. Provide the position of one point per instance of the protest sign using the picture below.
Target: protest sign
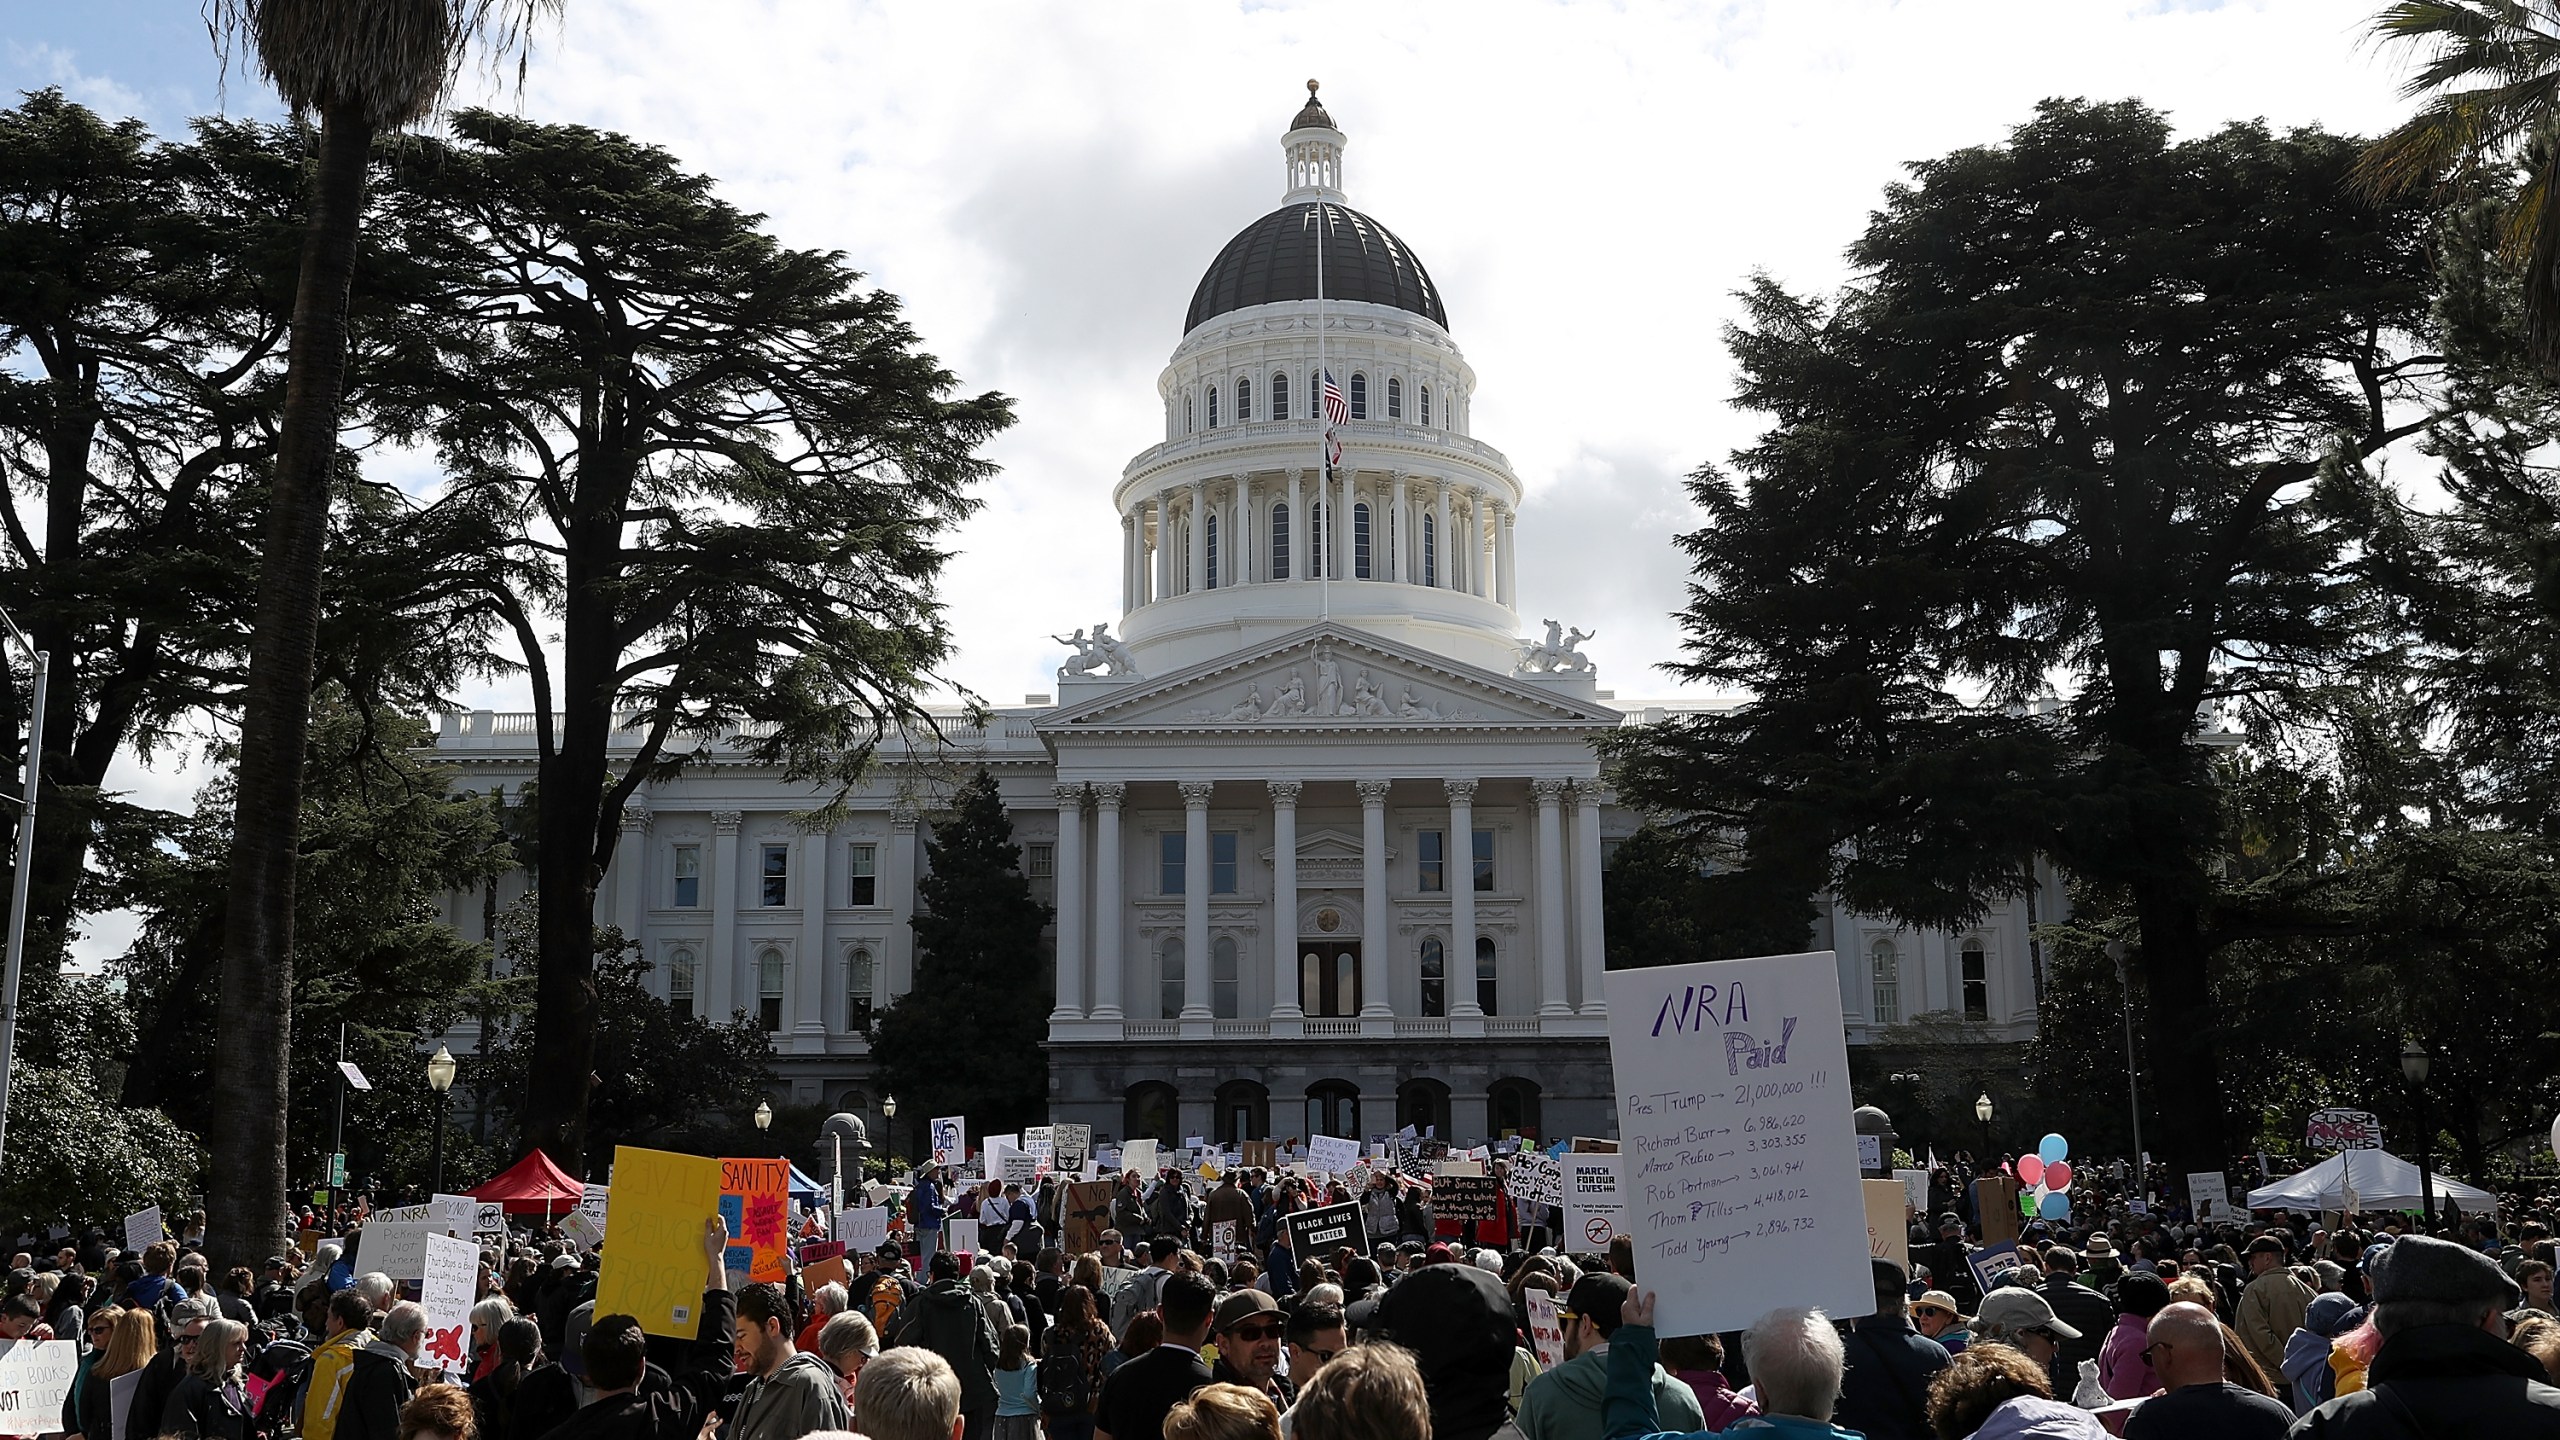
(35, 1375)
(950, 1140)
(452, 1215)
(451, 1284)
(1459, 1165)
(119, 1400)
(488, 1224)
(1021, 1167)
(1070, 1146)
(395, 1242)
(595, 1203)
(1465, 1197)
(1546, 1332)
(1259, 1155)
(990, 1144)
(1222, 1240)
(1087, 1214)
(1039, 1142)
(2344, 1130)
(1321, 1231)
(1995, 1199)
(864, 1228)
(2210, 1194)
(1870, 1152)
(1537, 1178)
(654, 1268)
(1139, 1155)
(1915, 1184)
(1332, 1156)
(581, 1229)
(1734, 1112)
(1888, 1232)
(1991, 1262)
(755, 1198)
(142, 1229)
(1594, 1209)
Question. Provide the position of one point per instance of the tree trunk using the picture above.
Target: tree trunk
(570, 788)
(2184, 1068)
(252, 1066)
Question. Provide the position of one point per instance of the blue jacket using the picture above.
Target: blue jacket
(1627, 1405)
(924, 1206)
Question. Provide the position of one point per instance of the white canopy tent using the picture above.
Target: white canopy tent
(2379, 1179)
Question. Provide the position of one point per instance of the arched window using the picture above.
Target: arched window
(1430, 550)
(1487, 992)
(1395, 397)
(1224, 986)
(1511, 1107)
(1210, 523)
(1280, 540)
(1346, 984)
(1333, 1108)
(1279, 395)
(681, 973)
(1213, 407)
(1243, 1112)
(1884, 973)
(1148, 1109)
(1359, 396)
(1977, 980)
(1424, 1105)
(769, 989)
(1244, 402)
(1169, 980)
(1423, 397)
(1360, 540)
(1435, 977)
(857, 989)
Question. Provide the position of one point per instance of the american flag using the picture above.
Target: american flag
(1337, 413)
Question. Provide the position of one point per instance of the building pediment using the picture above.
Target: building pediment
(1327, 679)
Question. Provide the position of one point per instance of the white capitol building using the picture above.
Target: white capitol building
(1326, 835)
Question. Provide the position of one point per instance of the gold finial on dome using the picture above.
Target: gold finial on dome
(1312, 115)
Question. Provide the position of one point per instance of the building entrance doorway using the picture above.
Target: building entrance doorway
(1329, 976)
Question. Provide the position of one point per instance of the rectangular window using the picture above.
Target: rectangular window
(1040, 867)
(680, 973)
(1977, 984)
(1169, 862)
(862, 871)
(688, 872)
(1222, 862)
(1432, 868)
(1484, 861)
(775, 876)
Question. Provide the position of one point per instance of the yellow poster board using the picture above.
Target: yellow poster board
(1888, 1221)
(654, 1269)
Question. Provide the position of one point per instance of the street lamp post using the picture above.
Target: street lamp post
(440, 1068)
(2116, 951)
(764, 1116)
(31, 780)
(2413, 1068)
(888, 1129)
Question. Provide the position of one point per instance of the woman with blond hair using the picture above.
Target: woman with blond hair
(86, 1410)
(1223, 1412)
(1366, 1392)
(211, 1403)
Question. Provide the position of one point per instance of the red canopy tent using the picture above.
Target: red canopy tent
(531, 1186)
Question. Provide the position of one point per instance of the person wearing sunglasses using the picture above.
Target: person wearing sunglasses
(2026, 1320)
(1316, 1335)
(1248, 1331)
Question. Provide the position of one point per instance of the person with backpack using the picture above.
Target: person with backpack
(947, 1320)
(1072, 1356)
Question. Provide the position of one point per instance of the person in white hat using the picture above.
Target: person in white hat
(1936, 1314)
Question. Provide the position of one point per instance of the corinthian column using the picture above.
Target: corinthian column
(1284, 899)
(1458, 872)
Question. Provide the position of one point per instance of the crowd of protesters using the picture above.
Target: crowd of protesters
(980, 1321)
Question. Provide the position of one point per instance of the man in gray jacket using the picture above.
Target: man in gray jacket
(792, 1393)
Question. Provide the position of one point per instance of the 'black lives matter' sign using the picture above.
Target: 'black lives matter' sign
(1326, 1229)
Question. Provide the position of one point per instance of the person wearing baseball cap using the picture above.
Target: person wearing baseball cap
(2272, 1306)
(2024, 1319)
(1248, 1330)
(2445, 1367)
(1566, 1402)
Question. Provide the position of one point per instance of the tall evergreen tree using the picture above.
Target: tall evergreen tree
(967, 1037)
(715, 469)
(2090, 412)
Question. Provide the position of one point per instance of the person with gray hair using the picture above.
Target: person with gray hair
(160, 1379)
(2445, 1367)
(210, 1403)
(1796, 1361)
(380, 1381)
(909, 1393)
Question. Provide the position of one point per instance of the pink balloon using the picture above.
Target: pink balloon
(2031, 1169)
(2057, 1176)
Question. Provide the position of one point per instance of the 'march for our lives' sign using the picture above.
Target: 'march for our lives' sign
(1738, 1155)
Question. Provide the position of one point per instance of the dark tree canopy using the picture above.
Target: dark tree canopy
(966, 1038)
(717, 468)
(2089, 416)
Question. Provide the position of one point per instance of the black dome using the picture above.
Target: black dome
(1274, 259)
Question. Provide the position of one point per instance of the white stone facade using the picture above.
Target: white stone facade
(1325, 833)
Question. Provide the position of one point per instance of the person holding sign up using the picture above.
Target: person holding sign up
(616, 1353)
(1796, 1364)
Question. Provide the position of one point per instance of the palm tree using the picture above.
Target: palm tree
(363, 67)
(2491, 78)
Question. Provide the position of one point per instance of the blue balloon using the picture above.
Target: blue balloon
(2052, 1148)
(2056, 1206)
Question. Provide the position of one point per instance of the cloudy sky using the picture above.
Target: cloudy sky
(1588, 182)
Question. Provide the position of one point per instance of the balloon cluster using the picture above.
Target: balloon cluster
(2049, 1171)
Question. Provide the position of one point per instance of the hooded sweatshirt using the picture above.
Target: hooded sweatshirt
(1565, 1403)
(799, 1397)
(2306, 1350)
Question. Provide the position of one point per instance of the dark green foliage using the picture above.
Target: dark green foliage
(2091, 412)
(967, 1039)
(1665, 905)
